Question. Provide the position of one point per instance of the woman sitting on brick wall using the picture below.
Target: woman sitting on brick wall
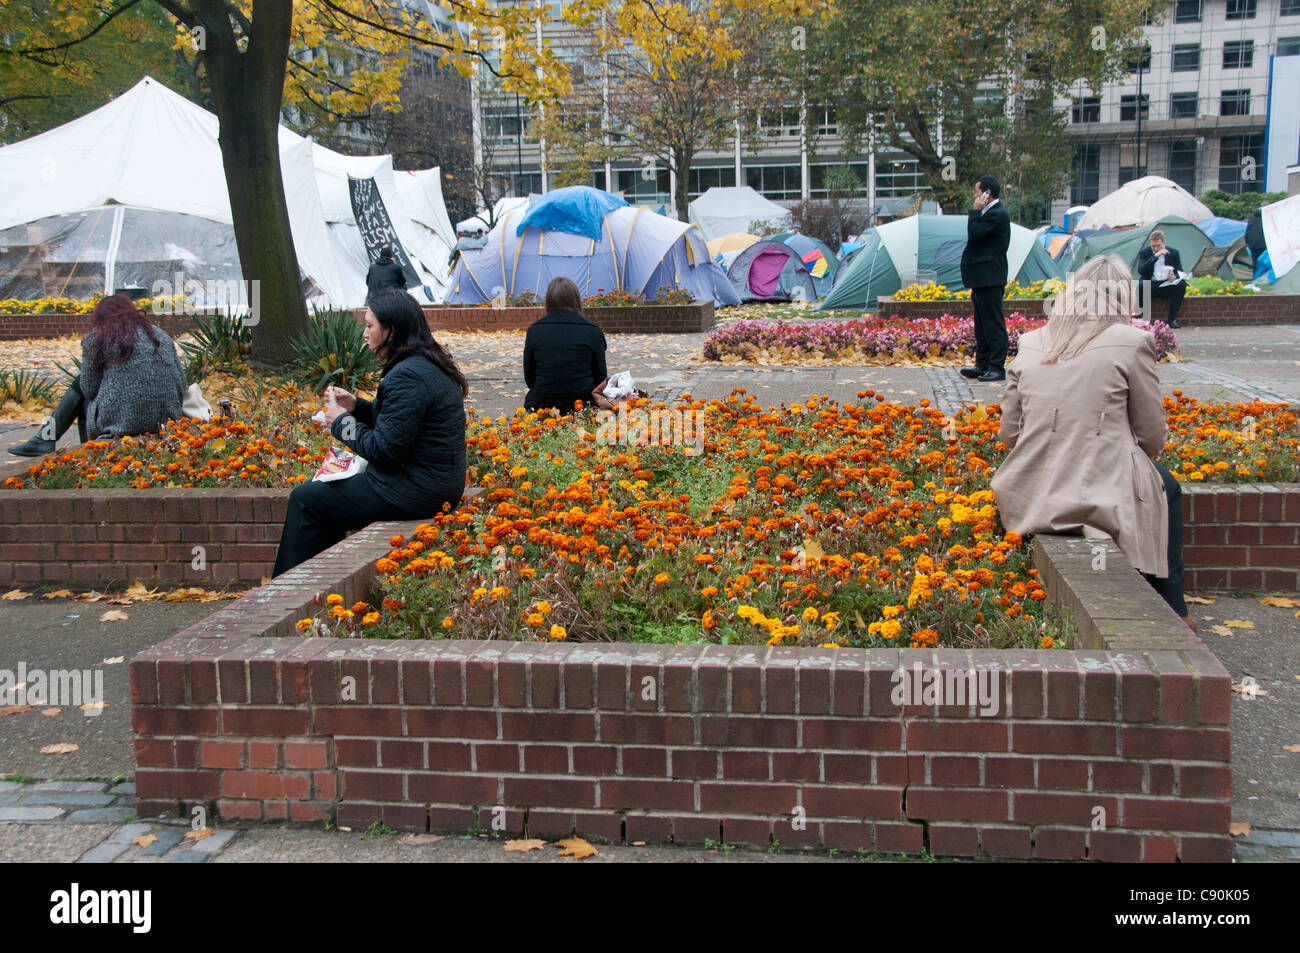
(412, 436)
(1084, 422)
(131, 381)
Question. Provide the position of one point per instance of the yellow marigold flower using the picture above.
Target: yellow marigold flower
(303, 624)
(478, 594)
(558, 632)
(448, 622)
(543, 607)
(536, 619)
(831, 621)
(891, 628)
(370, 618)
(890, 611)
(341, 613)
(830, 645)
(499, 592)
(809, 614)
(334, 599)
(661, 578)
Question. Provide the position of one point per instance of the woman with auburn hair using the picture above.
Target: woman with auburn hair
(1084, 422)
(564, 353)
(131, 381)
(412, 436)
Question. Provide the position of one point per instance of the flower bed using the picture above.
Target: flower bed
(828, 526)
(873, 339)
(274, 444)
(929, 291)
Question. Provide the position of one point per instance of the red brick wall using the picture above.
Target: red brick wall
(1242, 537)
(647, 319)
(15, 326)
(92, 538)
(687, 743)
(1197, 311)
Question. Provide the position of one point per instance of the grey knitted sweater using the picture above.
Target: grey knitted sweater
(136, 396)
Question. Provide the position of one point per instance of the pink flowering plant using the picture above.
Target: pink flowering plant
(875, 338)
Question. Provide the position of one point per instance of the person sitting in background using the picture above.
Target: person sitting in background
(564, 353)
(385, 273)
(131, 381)
(1084, 422)
(412, 436)
(1158, 263)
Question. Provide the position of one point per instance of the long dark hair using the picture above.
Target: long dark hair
(115, 323)
(408, 333)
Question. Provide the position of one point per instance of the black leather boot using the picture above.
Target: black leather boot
(64, 416)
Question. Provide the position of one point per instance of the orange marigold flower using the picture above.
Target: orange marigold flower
(391, 604)
(558, 632)
(334, 599)
(661, 578)
(360, 607)
(303, 624)
(396, 541)
(1047, 642)
(370, 618)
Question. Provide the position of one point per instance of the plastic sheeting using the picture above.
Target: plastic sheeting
(151, 150)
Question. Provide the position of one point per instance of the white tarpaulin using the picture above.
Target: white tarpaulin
(1281, 222)
(154, 151)
(725, 210)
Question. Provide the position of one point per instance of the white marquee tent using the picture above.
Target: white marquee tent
(726, 210)
(134, 193)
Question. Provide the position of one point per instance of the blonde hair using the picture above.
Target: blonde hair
(1099, 294)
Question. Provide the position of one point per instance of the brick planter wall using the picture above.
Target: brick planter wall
(1242, 537)
(93, 538)
(1197, 311)
(15, 326)
(688, 743)
(642, 319)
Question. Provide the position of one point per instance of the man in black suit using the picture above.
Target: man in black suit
(1157, 264)
(984, 272)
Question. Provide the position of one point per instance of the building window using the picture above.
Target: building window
(1132, 162)
(1288, 46)
(639, 190)
(817, 178)
(1234, 102)
(1139, 61)
(896, 177)
(1128, 107)
(822, 119)
(1290, 8)
(1182, 163)
(703, 179)
(501, 124)
(1085, 175)
(1086, 109)
(780, 123)
(1241, 163)
(1187, 57)
(1241, 9)
(1238, 54)
(1182, 105)
(1187, 11)
(775, 181)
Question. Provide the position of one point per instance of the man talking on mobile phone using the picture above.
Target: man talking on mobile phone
(984, 272)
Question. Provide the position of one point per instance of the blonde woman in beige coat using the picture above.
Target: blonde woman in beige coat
(1083, 419)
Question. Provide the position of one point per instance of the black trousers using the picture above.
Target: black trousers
(1171, 587)
(990, 329)
(1175, 294)
(321, 514)
(73, 403)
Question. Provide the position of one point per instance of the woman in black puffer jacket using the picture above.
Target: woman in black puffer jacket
(412, 436)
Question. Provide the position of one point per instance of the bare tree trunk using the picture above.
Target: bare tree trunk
(682, 166)
(247, 89)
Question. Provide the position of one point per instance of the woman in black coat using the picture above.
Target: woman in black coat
(412, 436)
(564, 353)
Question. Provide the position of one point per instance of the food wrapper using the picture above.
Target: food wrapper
(339, 465)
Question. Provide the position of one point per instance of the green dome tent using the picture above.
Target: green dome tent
(1288, 284)
(897, 250)
(1181, 234)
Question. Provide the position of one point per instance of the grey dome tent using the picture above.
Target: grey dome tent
(772, 271)
(892, 253)
(1126, 243)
